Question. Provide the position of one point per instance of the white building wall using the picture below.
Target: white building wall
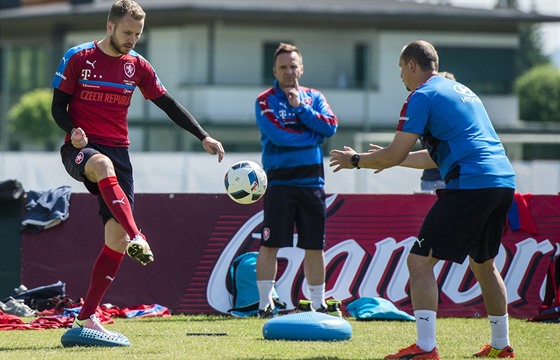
(173, 172)
(181, 56)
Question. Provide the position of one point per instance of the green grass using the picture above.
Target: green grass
(166, 338)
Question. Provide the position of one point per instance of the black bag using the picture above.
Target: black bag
(40, 298)
(11, 190)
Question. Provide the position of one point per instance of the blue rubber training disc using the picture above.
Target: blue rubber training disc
(90, 337)
(307, 326)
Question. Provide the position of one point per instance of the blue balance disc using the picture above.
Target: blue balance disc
(307, 326)
(90, 337)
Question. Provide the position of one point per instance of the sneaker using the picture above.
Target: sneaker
(17, 307)
(332, 308)
(266, 313)
(20, 289)
(305, 305)
(278, 305)
(139, 250)
(414, 352)
(490, 352)
(91, 323)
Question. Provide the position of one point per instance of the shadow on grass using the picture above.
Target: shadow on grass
(53, 347)
(187, 318)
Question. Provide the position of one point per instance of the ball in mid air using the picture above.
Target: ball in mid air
(245, 182)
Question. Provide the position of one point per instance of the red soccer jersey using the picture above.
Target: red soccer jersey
(101, 87)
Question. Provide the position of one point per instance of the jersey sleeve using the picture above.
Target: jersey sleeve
(67, 73)
(318, 116)
(150, 84)
(414, 115)
(266, 113)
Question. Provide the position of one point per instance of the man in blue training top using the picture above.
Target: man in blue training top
(294, 121)
(469, 215)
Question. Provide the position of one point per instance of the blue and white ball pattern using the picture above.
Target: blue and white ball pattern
(245, 182)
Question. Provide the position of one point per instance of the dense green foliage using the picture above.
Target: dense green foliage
(530, 53)
(30, 119)
(539, 94)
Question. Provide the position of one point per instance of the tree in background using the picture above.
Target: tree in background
(530, 52)
(530, 43)
(539, 94)
(30, 120)
(538, 82)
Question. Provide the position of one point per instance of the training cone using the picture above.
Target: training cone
(90, 337)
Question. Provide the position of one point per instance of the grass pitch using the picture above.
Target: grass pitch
(168, 338)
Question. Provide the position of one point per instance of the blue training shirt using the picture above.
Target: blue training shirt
(455, 128)
(291, 138)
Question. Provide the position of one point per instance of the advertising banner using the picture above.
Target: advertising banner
(195, 238)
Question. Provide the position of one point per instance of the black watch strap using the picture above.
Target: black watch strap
(355, 160)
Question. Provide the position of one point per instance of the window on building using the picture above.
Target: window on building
(360, 65)
(483, 70)
(28, 68)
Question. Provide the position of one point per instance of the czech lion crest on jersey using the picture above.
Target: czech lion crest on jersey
(129, 69)
(79, 158)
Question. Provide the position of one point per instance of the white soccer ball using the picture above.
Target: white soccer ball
(245, 182)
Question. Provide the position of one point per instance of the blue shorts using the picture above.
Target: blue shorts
(465, 223)
(74, 161)
(288, 206)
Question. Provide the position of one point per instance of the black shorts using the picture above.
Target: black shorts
(465, 223)
(74, 161)
(286, 206)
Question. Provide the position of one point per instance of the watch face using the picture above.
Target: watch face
(355, 160)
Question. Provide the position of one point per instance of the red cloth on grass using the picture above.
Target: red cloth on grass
(105, 314)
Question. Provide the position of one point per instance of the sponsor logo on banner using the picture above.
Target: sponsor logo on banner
(377, 268)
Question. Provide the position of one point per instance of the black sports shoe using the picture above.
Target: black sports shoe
(266, 313)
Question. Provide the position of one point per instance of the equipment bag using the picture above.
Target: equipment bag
(11, 190)
(42, 297)
(242, 285)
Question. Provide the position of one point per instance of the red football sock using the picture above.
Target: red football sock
(102, 275)
(117, 201)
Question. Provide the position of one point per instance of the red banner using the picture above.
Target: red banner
(195, 237)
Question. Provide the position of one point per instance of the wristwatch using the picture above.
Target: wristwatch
(355, 160)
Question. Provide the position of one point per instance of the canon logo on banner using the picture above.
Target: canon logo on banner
(355, 272)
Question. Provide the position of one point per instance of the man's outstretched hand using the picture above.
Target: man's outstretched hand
(214, 147)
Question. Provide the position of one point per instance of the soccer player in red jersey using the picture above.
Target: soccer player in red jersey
(93, 87)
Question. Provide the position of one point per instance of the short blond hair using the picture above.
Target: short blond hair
(120, 8)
